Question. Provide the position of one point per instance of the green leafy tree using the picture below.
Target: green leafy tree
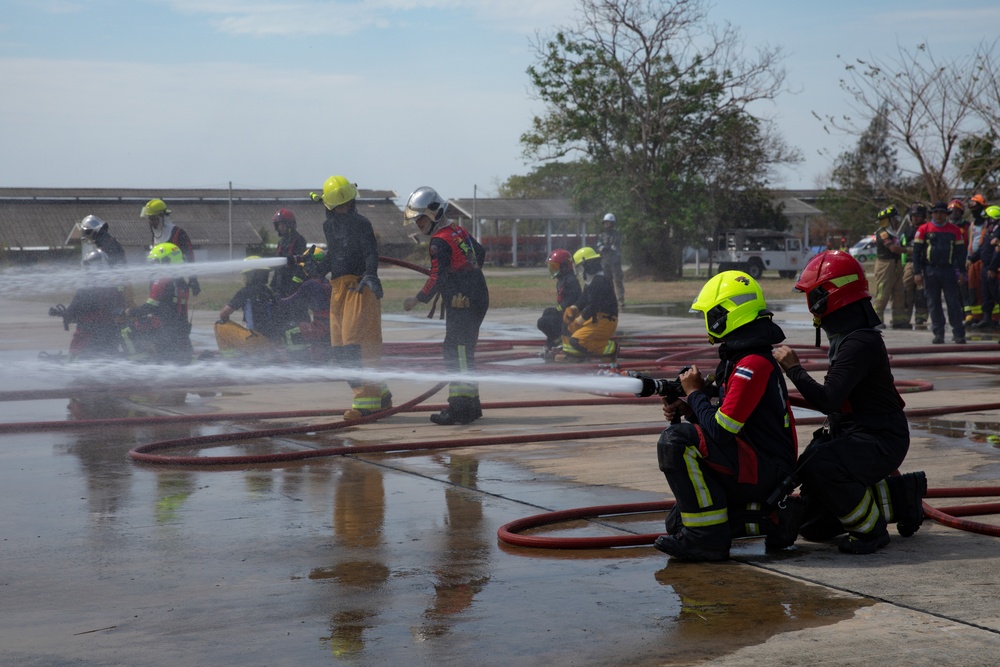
(654, 100)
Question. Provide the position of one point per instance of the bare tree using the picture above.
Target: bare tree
(929, 107)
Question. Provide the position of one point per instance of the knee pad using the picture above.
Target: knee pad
(672, 443)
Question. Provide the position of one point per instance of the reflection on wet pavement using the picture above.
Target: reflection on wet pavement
(375, 560)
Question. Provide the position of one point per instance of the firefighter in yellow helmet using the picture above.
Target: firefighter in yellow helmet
(593, 319)
(162, 230)
(263, 330)
(723, 465)
(163, 318)
(356, 292)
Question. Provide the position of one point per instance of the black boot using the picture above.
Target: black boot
(448, 417)
(784, 534)
(681, 547)
(910, 509)
(864, 543)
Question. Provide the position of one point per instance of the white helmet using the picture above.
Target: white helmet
(425, 201)
(91, 226)
(96, 259)
(610, 217)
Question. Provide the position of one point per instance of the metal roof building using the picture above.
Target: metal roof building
(215, 219)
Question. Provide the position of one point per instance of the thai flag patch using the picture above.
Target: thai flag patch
(743, 372)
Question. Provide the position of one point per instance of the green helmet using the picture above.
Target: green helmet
(165, 253)
(728, 301)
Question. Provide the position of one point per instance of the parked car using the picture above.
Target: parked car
(864, 249)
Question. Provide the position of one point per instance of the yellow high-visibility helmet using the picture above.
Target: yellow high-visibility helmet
(154, 207)
(338, 190)
(728, 301)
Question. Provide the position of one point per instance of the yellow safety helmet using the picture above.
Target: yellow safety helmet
(338, 190)
(165, 253)
(728, 301)
(583, 254)
(154, 207)
(993, 212)
(253, 268)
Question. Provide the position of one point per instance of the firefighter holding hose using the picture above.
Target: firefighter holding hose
(725, 462)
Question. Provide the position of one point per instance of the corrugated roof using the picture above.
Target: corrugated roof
(517, 209)
(45, 217)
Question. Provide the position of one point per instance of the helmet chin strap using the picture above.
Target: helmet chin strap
(816, 324)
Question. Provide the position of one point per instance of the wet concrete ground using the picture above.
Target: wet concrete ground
(393, 558)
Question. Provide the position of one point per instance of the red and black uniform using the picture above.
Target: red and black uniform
(313, 295)
(97, 312)
(939, 254)
(164, 320)
(985, 254)
(293, 245)
(723, 465)
(567, 294)
(456, 274)
(171, 233)
(843, 473)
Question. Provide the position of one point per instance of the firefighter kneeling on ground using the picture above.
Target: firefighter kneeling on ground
(263, 331)
(98, 311)
(567, 294)
(161, 323)
(593, 320)
(724, 464)
(845, 471)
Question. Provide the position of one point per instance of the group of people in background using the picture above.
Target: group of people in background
(583, 322)
(943, 269)
(325, 302)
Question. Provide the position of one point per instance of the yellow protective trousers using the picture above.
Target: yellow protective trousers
(593, 338)
(235, 340)
(356, 321)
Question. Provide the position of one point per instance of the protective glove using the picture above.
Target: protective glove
(57, 311)
(570, 314)
(315, 196)
(194, 286)
(372, 283)
(459, 301)
(574, 325)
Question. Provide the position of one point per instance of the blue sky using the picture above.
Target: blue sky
(393, 94)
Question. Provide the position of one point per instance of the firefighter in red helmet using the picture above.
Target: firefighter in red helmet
(845, 471)
(567, 294)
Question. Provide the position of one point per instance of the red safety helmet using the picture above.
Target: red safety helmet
(956, 204)
(286, 216)
(558, 261)
(832, 280)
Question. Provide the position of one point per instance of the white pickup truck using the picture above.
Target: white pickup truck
(759, 250)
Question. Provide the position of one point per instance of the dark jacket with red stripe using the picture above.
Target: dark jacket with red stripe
(753, 414)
